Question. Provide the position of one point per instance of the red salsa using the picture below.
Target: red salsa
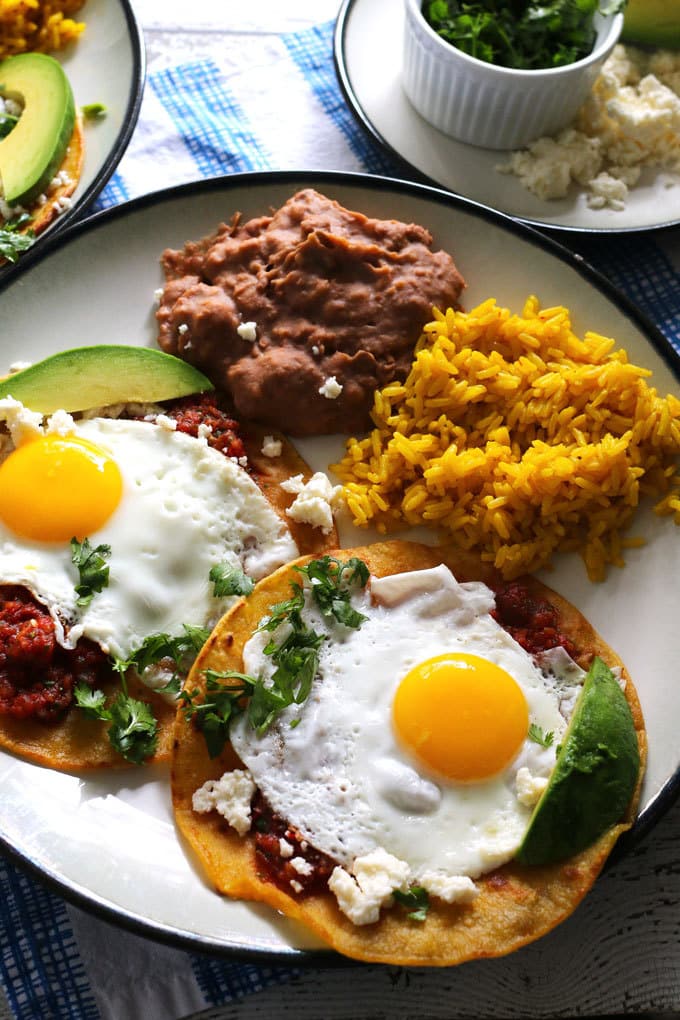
(37, 675)
(203, 409)
(269, 830)
(532, 622)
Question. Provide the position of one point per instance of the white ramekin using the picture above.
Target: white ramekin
(495, 107)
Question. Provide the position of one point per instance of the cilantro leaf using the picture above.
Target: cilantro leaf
(229, 580)
(221, 703)
(13, 243)
(94, 111)
(539, 736)
(92, 567)
(416, 900)
(92, 701)
(133, 731)
(331, 582)
(181, 650)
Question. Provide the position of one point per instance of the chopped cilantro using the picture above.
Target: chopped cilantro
(92, 567)
(13, 243)
(229, 580)
(94, 111)
(180, 650)
(295, 656)
(133, 731)
(525, 34)
(539, 736)
(416, 901)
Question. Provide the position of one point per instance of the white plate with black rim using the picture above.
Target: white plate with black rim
(368, 57)
(108, 841)
(105, 65)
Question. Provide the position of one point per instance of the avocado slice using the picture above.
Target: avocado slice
(594, 777)
(85, 377)
(652, 23)
(34, 149)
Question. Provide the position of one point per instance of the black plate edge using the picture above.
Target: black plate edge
(668, 793)
(79, 209)
(413, 173)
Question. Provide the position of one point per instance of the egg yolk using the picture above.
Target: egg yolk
(54, 488)
(461, 716)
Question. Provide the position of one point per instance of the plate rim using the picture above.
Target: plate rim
(665, 797)
(419, 176)
(79, 208)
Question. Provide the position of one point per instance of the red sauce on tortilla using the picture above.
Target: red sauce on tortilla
(532, 622)
(204, 409)
(269, 829)
(37, 675)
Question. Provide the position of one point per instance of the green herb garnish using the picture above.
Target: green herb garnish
(94, 111)
(416, 901)
(526, 34)
(539, 736)
(12, 243)
(296, 656)
(181, 650)
(133, 731)
(93, 570)
(229, 580)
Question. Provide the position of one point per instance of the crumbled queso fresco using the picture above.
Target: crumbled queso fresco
(631, 120)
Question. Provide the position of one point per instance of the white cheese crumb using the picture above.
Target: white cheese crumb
(450, 888)
(61, 178)
(285, 848)
(182, 329)
(230, 796)
(295, 885)
(22, 423)
(60, 424)
(272, 447)
(315, 500)
(302, 866)
(529, 788)
(166, 422)
(63, 203)
(204, 431)
(376, 876)
(158, 294)
(315, 351)
(331, 388)
(247, 331)
(630, 120)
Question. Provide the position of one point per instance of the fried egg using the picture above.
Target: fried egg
(415, 739)
(169, 506)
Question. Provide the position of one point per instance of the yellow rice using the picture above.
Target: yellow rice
(518, 439)
(37, 25)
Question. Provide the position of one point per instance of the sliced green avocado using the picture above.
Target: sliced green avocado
(34, 149)
(652, 23)
(594, 777)
(85, 377)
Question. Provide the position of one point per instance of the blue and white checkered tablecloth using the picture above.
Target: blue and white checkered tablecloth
(203, 117)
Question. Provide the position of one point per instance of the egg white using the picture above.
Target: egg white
(185, 507)
(340, 775)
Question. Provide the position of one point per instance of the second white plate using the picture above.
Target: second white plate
(368, 55)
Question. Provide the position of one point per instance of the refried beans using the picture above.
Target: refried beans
(300, 315)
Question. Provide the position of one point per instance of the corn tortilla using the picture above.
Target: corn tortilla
(76, 743)
(516, 904)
